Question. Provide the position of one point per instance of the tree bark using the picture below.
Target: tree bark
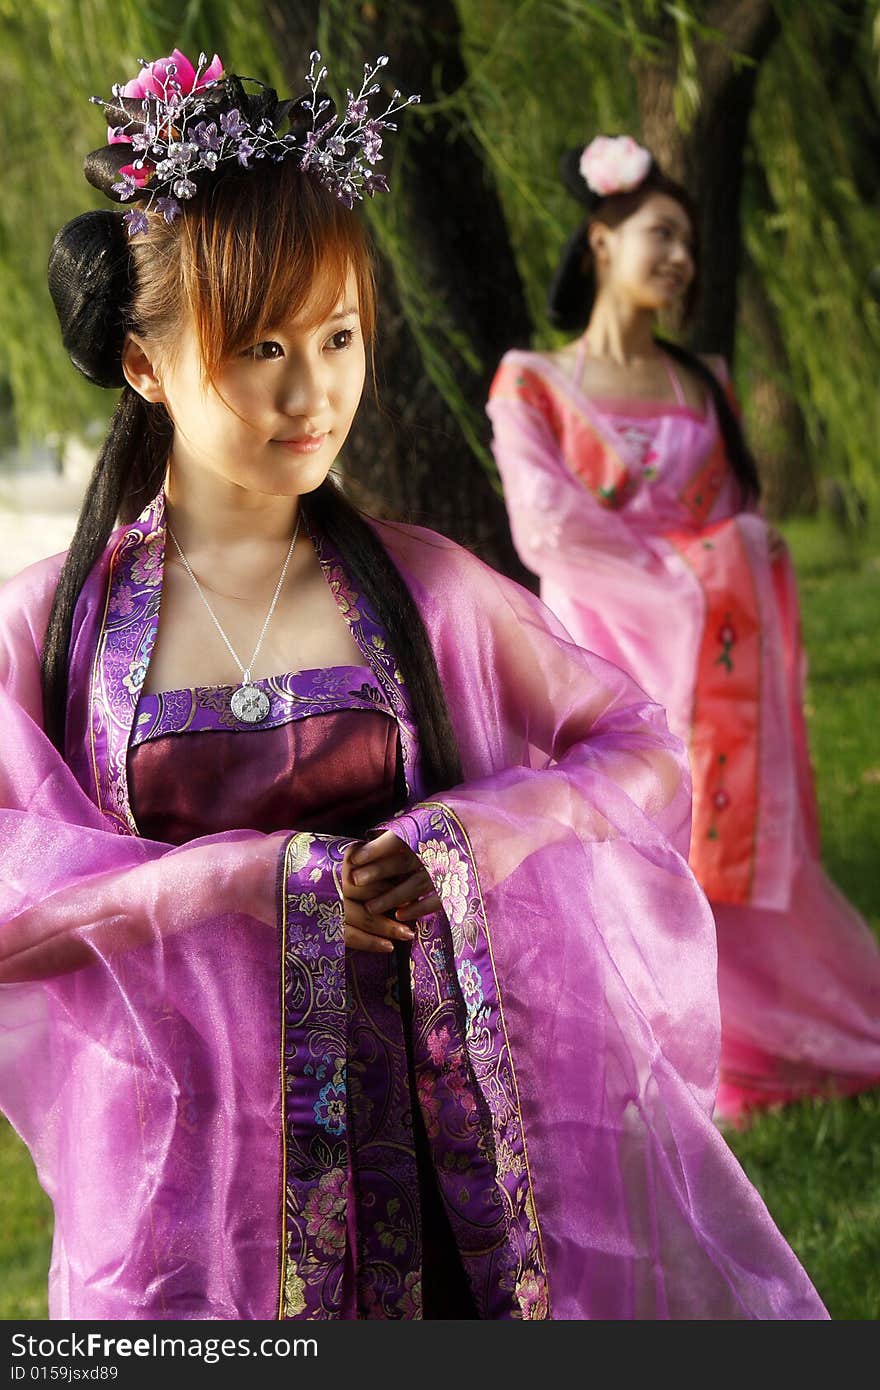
(708, 158)
(410, 450)
(774, 423)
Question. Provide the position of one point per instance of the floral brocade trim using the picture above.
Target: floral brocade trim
(122, 654)
(313, 1080)
(466, 1079)
(372, 641)
(297, 695)
(350, 1226)
(387, 1204)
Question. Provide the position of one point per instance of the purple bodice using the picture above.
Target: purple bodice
(324, 759)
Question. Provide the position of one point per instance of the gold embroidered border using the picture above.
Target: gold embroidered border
(484, 921)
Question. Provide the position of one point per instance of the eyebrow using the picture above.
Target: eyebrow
(667, 220)
(343, 314)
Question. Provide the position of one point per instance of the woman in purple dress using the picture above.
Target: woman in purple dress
(350, 964)
(632, 493)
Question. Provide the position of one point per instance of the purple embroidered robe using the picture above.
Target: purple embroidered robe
(217, 1106)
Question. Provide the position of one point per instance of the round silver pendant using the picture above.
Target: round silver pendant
(249, 704)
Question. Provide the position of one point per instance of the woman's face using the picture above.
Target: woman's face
(278, 412)
(649, 258)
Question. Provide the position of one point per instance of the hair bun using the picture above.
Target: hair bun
(103, 168)
(573, 180)
(90, 281)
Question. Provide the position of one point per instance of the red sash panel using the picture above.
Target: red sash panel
(725, 726)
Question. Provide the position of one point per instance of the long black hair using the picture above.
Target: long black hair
(741, 458)
(93, 282)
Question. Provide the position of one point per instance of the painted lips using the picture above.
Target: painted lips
(305, 444)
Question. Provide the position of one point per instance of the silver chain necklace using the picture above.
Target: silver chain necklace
(248, 703)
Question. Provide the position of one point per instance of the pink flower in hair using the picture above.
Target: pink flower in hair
(614, 164)
(137, 176)
(154, 79)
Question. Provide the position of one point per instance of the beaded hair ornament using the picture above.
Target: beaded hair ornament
(174, 126)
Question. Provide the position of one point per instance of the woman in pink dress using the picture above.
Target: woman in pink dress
(632, 493)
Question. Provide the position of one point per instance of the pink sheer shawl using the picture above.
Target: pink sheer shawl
(173, 1020)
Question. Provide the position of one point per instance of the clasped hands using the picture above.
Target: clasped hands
(384, 888)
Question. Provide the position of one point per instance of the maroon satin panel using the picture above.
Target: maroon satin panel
(334, 773)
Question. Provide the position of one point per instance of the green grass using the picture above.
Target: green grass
(817, 1164)
(840, 598)
(25, 1232)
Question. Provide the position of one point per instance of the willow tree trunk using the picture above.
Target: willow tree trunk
(774, 422)
(412, 450)
(708, 157)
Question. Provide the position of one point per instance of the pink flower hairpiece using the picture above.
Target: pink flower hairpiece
(614, 164)
(183, 123)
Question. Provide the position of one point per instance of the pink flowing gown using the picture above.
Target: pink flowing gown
(630, 513)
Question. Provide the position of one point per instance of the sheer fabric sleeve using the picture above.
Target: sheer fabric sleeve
(585, 965)
(555, 517)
